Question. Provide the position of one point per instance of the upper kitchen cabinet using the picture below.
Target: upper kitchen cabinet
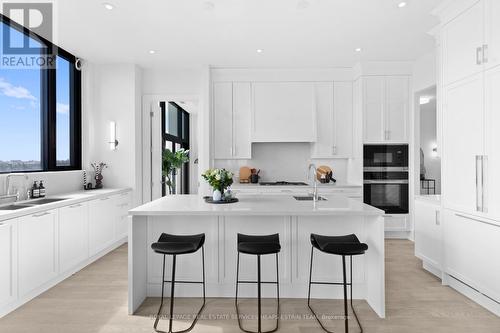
(232, 122)
(385, 109)
(492, 51)
(463, 41)
(283, 112)
(334, 120)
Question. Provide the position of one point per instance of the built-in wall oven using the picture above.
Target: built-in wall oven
(385, 174)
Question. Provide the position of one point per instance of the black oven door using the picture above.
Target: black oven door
(390, 196)
(385, 156)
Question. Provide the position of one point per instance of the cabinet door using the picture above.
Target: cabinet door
(462, 37)
(428, 232)
(324, 145)
(468, 242)
(242, 120)
(8, 261)
(396, 113)
(343, 119)
(492, 53)
(283, 112)
(492, 141)
(102, 215)
(373, 109)
(73, 235)
(123, 205)
(463, 117)
(37, 250)
(223, 120)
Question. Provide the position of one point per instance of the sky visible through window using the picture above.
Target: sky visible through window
(20, 113)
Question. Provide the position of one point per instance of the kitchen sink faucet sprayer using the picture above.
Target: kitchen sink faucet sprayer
(315, 182)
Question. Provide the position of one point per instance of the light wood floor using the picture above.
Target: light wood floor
(95, 300)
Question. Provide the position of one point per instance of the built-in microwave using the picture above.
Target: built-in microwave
(385, 156)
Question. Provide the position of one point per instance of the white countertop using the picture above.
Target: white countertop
(237, 186)
(71, 199)
(255, 205)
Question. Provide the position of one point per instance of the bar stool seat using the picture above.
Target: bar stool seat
(178, 244)
(340, 245)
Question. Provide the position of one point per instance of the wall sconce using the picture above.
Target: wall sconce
(434, 152)
(112, 135)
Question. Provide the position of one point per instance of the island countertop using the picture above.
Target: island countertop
(255, 205)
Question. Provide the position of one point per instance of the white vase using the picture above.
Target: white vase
(217, 195)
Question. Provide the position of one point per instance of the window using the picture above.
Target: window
(40, 109)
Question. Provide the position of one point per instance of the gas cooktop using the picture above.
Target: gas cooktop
(283, 183)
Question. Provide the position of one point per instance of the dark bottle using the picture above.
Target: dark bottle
(35, 190)
(41, 189)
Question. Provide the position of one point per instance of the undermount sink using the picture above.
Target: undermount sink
(308, 198)
(45, 201)
(14, 207)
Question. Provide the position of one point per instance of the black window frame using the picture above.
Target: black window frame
(48, 105)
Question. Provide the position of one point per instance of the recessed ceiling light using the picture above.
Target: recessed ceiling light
(303, 4)
(259, 50)
(402, 4)
(208, 5)
(358, 49)
(152, 51)
(108, 6)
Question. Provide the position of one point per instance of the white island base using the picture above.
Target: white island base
(293, 220)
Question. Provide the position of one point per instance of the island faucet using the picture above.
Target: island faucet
(315, 181)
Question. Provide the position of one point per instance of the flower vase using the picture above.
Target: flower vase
(217, 195)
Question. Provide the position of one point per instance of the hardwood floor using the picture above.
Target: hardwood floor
(95, 300)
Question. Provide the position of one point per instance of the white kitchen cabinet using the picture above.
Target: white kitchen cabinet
(102, 220)
(385, 109)
(283, 112)
(343, 119)
(8, 261)
(73, 235)
(223, 120)
(463, 40)
(123, 205)
(37, 250)
(463, 141)
(325, 145)
(492, 20)
(470, 244)
(396, 223)
(232, 120)
(428, 232)
(373, 108)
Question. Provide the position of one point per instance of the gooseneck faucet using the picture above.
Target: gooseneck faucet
(315, 181)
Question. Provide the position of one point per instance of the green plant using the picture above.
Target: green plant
(219, 179)
(170, 163)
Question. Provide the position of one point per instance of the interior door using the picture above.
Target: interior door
(223, 120)
(492, 33)
(397, 97)
(373, 109)
(492, 141)
(463, 117)
(463, 38)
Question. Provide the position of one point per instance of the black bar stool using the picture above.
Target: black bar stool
(175, 245)
(348, 245)
(258, 245)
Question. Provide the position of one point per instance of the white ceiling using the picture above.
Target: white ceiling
(191, 33)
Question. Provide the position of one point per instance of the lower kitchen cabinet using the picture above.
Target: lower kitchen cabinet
(471, 250)
(102, 219)
(428, 232)
(37, 250)
(73, 235)
(123, 205)
(8, 262)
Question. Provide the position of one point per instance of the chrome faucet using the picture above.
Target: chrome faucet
(315, 181)
(12, 191)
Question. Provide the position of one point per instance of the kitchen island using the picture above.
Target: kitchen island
(294, 221)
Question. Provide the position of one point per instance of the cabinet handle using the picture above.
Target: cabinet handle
(484, 183)
(334, 150)
(479, 55)
(76, 206)
(41, 214)
(104, 199)
(485, 53)
(479, 181)
(438, 220)
(477, 220)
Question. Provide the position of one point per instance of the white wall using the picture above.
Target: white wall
(424, 72)
(172, 81)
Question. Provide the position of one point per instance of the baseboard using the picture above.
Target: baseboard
(6, 309)
(432, 269)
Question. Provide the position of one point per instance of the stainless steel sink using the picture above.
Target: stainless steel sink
(44, 201)
(308, 198)
(14, 207)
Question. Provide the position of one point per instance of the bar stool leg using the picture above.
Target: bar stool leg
(310, 277)
(346, 322)
(162, 289)
(172, 290)
(259, 311)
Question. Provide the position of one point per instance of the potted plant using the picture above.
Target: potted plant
(170, 163)
(219, 180)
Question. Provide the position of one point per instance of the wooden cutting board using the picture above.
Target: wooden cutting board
(322, 170)
(245, 173)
